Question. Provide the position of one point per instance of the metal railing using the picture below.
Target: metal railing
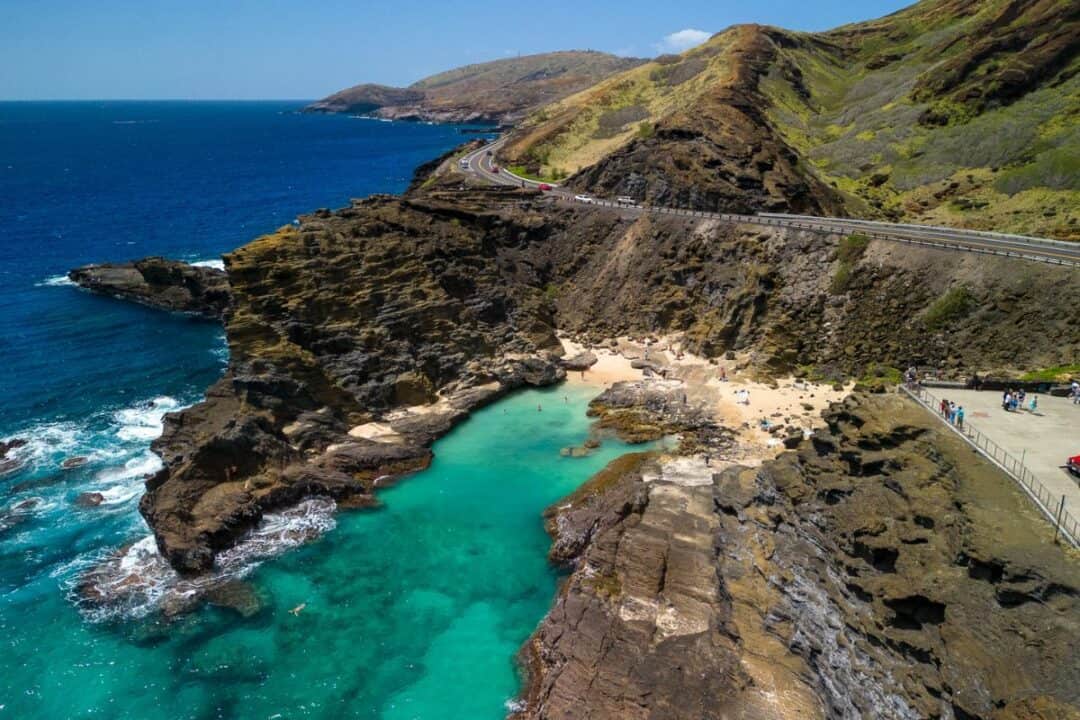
(1052, 506)
(840, 226)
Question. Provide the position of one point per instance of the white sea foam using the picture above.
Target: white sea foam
(120, 494)
(134, 469)
(46, 442)
(217, 264)
(138, 581)
(144, 421)
(55, 281)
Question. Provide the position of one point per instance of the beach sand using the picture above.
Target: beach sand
(717, 384)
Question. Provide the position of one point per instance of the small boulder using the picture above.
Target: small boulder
(89, 499)
(581, 361)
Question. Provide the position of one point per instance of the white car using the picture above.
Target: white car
(625, 200)
(583, 198)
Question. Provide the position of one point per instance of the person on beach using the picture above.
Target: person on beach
(1034, 404)
(960, 417)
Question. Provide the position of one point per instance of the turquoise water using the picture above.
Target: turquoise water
(413, 610)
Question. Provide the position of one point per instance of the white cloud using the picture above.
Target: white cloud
(676, 42)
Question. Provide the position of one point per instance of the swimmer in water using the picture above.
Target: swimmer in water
(539, 409)
(298, 609)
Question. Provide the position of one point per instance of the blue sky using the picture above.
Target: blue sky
(262, 49)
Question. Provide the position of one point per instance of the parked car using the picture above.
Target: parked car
(625, 200)
(544, 187)
(1073, 464)
(583, 198)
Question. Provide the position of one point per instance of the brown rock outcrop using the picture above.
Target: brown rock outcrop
(165, 284)
(442, 300)
(880, 570)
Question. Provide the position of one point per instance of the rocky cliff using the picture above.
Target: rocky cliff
(878, 570)
(500, 92)
(165, 284)
(361, 335)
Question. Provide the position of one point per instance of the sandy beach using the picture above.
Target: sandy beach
(748, 407)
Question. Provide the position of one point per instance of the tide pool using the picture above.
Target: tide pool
(414, 610)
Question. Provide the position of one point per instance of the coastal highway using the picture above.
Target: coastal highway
(480, 163)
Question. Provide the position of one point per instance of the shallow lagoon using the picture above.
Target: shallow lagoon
(414, 610)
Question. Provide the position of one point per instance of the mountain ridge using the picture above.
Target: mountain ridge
(496, 92)
(949, 112)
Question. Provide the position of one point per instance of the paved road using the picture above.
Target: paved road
(480, 163)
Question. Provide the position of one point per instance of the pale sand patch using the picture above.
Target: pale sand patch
(611, 367)
(379, 432)
(716, 384)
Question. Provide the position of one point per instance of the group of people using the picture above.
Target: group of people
(1013, 400)
(953, 413)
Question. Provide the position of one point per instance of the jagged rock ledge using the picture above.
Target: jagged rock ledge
(160, 283)
(878, 570)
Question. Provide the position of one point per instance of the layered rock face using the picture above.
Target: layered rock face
(166, 284)
(879, 570)
(838, 306)
(383, 306)
(446, 299)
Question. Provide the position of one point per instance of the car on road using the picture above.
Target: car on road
(583, 198)
(625, 200)
(544, 187)
(1073, 465)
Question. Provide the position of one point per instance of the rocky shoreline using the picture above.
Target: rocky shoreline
(876, 570)
(713, 581)
(169, 285)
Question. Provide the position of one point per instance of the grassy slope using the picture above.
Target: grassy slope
(961, 112)
(994, 164)
(583, 128)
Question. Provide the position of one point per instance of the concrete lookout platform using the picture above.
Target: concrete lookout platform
(1031, 447)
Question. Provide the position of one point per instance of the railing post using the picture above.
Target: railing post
(1057, 527)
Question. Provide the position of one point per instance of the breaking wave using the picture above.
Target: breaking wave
(137, 581)
(55, 281)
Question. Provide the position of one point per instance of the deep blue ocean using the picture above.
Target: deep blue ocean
(85, 182)
(412, 611)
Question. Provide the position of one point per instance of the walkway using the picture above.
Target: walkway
(1032, 448)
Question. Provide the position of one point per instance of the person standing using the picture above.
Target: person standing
(1034, 404)
(960, 417)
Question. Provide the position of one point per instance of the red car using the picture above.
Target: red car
(544, 187)
(1073, 464)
